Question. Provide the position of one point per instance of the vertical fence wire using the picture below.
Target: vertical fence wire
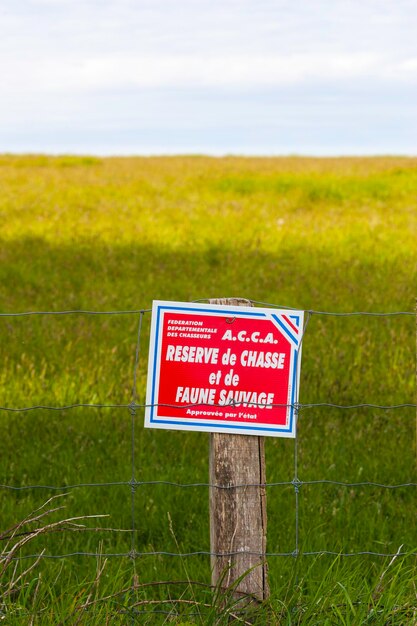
(133, 483)
(296, 493)
(296, 481)
(132, 410)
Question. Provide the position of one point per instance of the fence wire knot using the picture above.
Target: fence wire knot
(296, 483)
(133, 554)
(132, 408)
(133, 485)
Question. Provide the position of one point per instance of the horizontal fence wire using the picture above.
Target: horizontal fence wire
(116, 613)
(298, 406)
(206, 553)
(174, 612)
(168, 483)
(75, 312)
(251, 302)
(133, 484)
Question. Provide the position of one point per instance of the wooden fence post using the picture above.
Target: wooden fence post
(238, 514)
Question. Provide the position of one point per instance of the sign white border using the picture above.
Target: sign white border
(279, 317)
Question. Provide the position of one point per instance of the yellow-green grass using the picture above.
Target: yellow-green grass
(114, 234)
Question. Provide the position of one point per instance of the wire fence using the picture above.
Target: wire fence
(133, 484)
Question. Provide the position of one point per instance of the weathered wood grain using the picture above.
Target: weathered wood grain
(238, 513)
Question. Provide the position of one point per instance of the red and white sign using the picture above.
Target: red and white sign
(227, 369)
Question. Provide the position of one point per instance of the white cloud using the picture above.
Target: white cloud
(243, 72)
(71, 62)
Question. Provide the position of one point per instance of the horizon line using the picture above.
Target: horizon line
(207, 154)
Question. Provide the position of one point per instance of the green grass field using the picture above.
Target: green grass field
(333, 235)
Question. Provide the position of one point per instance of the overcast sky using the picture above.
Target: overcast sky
(208, 76)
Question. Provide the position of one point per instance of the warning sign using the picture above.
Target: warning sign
(228, 369)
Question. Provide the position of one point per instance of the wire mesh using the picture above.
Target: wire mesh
(133, 484)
